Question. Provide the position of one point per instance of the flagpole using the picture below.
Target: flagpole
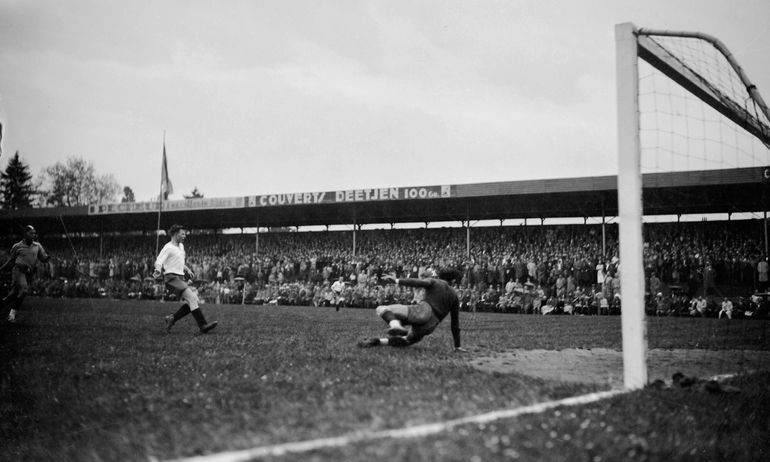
(160, 195)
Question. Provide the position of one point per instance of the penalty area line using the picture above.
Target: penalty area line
(416, 431)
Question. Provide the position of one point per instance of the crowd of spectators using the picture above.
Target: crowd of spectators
(524, 269)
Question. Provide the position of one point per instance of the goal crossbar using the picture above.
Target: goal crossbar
(660, 58)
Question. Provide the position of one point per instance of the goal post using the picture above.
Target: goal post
(633, 324)
(705, 71)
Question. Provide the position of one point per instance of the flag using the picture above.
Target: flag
(166, 187)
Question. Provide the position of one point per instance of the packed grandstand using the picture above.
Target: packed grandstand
(542, 269)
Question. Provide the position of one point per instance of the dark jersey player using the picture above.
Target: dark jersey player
(24, 257)
(434, 300)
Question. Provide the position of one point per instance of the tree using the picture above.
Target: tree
(16, 185)
(195, 194)
(76, 183)
(128, 195)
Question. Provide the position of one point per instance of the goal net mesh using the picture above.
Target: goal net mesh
(696, 113)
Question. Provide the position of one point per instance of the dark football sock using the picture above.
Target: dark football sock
(183, 311)
(16, 303)
(398, 341)
(199, 318)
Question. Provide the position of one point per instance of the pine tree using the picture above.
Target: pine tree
(16, 188)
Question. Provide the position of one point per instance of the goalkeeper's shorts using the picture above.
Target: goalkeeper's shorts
(422, 319)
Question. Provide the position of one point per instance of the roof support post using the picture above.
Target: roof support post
(256, 241)
(604, 235)
(467, 231)
(765, 228)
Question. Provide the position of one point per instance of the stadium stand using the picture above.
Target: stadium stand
(107, 250)
(524, 269)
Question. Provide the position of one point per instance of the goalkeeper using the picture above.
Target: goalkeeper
(171, 261)
(434, 299)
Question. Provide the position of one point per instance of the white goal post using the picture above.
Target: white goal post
(747, 111)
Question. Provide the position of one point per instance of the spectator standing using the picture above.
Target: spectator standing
(709, 278)
(654, 286)
(600, 274)
(561, 285)
(762, 274)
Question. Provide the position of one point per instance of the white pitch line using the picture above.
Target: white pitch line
(406, 432)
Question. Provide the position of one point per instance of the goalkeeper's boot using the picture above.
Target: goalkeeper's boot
(369, 342)
(398, 341)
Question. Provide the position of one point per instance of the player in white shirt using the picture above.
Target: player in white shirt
(171, 264)
(337, 288)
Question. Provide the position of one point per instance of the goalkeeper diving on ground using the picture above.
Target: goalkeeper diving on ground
(434, 299)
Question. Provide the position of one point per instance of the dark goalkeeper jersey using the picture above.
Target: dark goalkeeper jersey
(442, 299)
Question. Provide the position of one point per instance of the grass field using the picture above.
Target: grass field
(87, 380)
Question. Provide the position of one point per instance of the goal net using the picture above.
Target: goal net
(693, 139)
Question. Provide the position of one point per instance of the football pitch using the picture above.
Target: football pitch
(93, 380)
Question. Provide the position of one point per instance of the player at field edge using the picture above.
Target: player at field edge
(434, 299)
(338, 287)
(24, 257)
(171, 264)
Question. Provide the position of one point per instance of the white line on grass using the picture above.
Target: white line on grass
(406, 432)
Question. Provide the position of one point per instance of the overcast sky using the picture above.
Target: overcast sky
(264, 97)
